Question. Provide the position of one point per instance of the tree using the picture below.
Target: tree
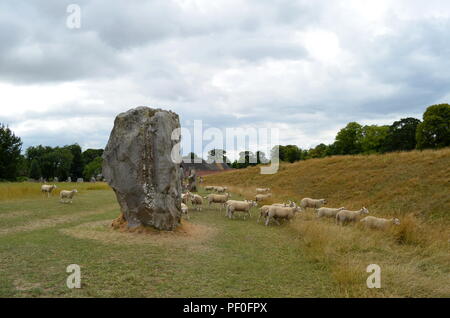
(293, 153)
(63, 163)
(261, 157)
(319, 151)
(35, 170)
(373, 138)
(434, 131)
(402, 135)
(348, 139)
(93, 168)
(90, 155)
(246, 158)
(10, 147)
(217, 155)
(77, 167)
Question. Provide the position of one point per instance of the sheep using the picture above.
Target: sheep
(209, 188)
(196, 200)
(217, 198)
(312, 203)
(262, 190)
(185, 197)
(185, 210)
(278, 212)
(45, 188)
(328, 212)
(68, 195)
(262, 197)
(239, 206)
(379, 223)
(220, 189)
(345, 216)
(265, 209)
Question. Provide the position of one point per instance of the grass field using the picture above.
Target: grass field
(212, 256)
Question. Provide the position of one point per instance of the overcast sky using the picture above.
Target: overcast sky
(305, 67)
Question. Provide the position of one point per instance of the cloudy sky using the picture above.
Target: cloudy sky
(305, 67)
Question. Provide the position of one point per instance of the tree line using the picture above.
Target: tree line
(46, 162)
(403, 135)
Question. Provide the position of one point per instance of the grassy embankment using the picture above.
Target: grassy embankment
(414, 186)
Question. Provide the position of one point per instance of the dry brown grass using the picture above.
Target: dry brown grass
(10, 191)
(187, 235)
(413, 186)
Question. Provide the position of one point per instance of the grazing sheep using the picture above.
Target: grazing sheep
(196, 200)
(379, 223)
(220, 189)
(185, 210)
(185, 197)
(265, 209)
(45, 188)
(345, 216)
(312, 203)
(277, 213)
(67, 196)
(262, 197)
(217, 198)
(262, 190)
(328, 212)
(238, 206)
(209, 188)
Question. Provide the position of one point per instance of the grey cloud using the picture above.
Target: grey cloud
(169, 57)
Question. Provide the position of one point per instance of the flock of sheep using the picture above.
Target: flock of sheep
(274, 212)
(65, 196)
(282, 211)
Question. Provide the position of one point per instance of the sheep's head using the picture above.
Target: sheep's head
(75, 191)
(364, 210)
(396, 221)
(324, 201)
(342, 208)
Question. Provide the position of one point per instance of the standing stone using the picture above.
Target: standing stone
(137, 164)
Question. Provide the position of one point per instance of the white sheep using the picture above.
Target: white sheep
(277, 213)
(328, 212)
(262, 197)
(185, 210)
(262, 190)
(45, 188)
(185, 197)
(312, 203)
(238, 206)
(220, 189)
(217, 198)
(379, 223)
(67, 196)
(345, 216)
(196, 201)
(265, 209)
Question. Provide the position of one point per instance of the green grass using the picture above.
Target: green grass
(239, 259)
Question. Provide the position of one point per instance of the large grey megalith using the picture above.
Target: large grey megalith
(138, 165)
